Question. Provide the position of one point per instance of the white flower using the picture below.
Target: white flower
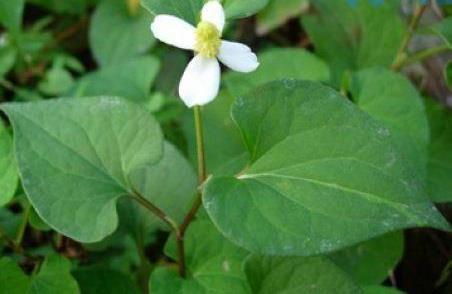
(200, 82)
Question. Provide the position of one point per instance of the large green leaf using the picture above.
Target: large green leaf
(53, 277)
(190, 10)
(316, 160)
(214, 264)
(370, 262)
(280, 63)
(128, 36)
(354, 37)
(439, 179)
(292, 275)
(76, 156)
(131, 79)
(8, 168)
(11, 14)
(94, 280)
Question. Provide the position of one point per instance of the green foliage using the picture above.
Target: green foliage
(282, 203)
(439, 181)
(11, 14)
(299, 177)
(75, 187)
(8, 168)
(297, 275)
(214, 264)
(363, 36)
(53, 277)
(128, 35)
(278, 64)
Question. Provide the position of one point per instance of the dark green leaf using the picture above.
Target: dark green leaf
(104, 281)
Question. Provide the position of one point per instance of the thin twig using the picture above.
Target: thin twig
(23, 224)
(401, 54)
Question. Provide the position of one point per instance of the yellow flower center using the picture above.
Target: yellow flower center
(208, 39)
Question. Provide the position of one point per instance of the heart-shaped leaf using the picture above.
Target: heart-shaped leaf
(316, 160)
(76, 156)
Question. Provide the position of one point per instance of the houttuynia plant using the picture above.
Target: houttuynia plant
(322, 163)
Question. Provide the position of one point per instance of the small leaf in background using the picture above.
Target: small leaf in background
(11, 14)
(278, 12)
(9, 222)
(357, 39)
(214, 264)
(443, 30)
(12, 279)
(36, 221)
(131, 80)
(268, 275)
(9, 176)
(277, 64)
(76, 156)
(439, 180)
(188, 10)
(8, 56)
(93, 280)
(53, 277)
(117, 35)
(370, 262)
(309, 146)
(66, 6)
(240, 8)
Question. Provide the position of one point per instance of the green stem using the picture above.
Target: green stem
(155, 210)
(401, 54)
(201, 179)
(23, 224)
(421, 55)
(11, 244)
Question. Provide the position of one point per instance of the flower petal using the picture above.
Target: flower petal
(174, 31)
(238, 57)
(213, 12)
(200, 82)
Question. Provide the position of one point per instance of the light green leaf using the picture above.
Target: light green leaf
(94, 280)
(36, 222)
(54, 277)
(370, 262)
(240, 8)
(76, 155)
(357, 39)
(316, 160)
(278, 12)
(439, 179)
(9, 177)
(443, 29)
(188, 10)
(293, 275)
(281, 63)
(214, 264)
(116, 36)
(12, 279)
(8, 56)
(131, 80)
(11, 14)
